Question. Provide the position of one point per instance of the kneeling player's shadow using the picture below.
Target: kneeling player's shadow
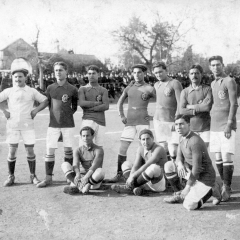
(232, 204)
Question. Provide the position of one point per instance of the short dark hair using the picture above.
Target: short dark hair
(63, 64)
(186, 118)
(215, 58)
(86, 128)
(146, 131)
(94, 68)
(159, 64)
(198, 67)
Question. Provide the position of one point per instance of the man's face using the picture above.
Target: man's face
(182, 127)
(92, 76)
(19, 79)
(216, 67)
(138, 74)
(87, 137)
(60, 72)
(195, 76)
(146, 141)
(160, 73)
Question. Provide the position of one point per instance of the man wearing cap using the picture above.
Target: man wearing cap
(146, 173)
(137, 119)
(223, 123)
(63, 102)
(196, 102)
(168, 92)
(20, 121)
(93, 99)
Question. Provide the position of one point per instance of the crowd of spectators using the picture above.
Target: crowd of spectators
(113, 81)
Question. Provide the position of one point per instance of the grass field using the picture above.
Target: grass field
(27, 212)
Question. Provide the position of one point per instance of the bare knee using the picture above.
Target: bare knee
(12, 150)
(124, 147)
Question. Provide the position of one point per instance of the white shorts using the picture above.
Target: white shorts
(205, 136)
(219, 143)
(99, 130)
(129, 132)
(196, 193)
(164, 132)
(53, 135)
(28, 136)
(156, 187)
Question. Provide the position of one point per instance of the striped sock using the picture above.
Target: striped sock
(228, 168)
(49, 163)
(142, 179)
(121, 160)
(174, 181)
(219, 164)
(11, 165)
(68, 156)
(93, 181)
(32, 164)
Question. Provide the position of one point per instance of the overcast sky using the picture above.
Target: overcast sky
(85, 25)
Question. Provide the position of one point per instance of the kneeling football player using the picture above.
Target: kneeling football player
(194, 164)
(147, 170)
(86, 172)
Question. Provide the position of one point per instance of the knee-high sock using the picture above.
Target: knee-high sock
(11, 165)
(142, 179)
(121, 160)
(68, 156)
(32, 164)
(49, 164)
(204, 199)
(219, 164)
(174, 181)
(96, 177)
(228, 168)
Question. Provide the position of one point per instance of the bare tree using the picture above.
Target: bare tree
(155, 42)
(41, 60)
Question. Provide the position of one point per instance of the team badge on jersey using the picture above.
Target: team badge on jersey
(168, 92)
(99, 98)
(200, 101)
(65, 98)
(145, 96)
(222, 95)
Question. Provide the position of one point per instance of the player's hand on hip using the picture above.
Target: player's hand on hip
(33, 114)
(227, 131)
(7, 114)
(124, 119)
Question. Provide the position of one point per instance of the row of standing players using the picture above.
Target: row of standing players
(189, 155)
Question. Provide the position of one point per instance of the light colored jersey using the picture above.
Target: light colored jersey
(20, 104)
(147, 154)
(86, 156)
